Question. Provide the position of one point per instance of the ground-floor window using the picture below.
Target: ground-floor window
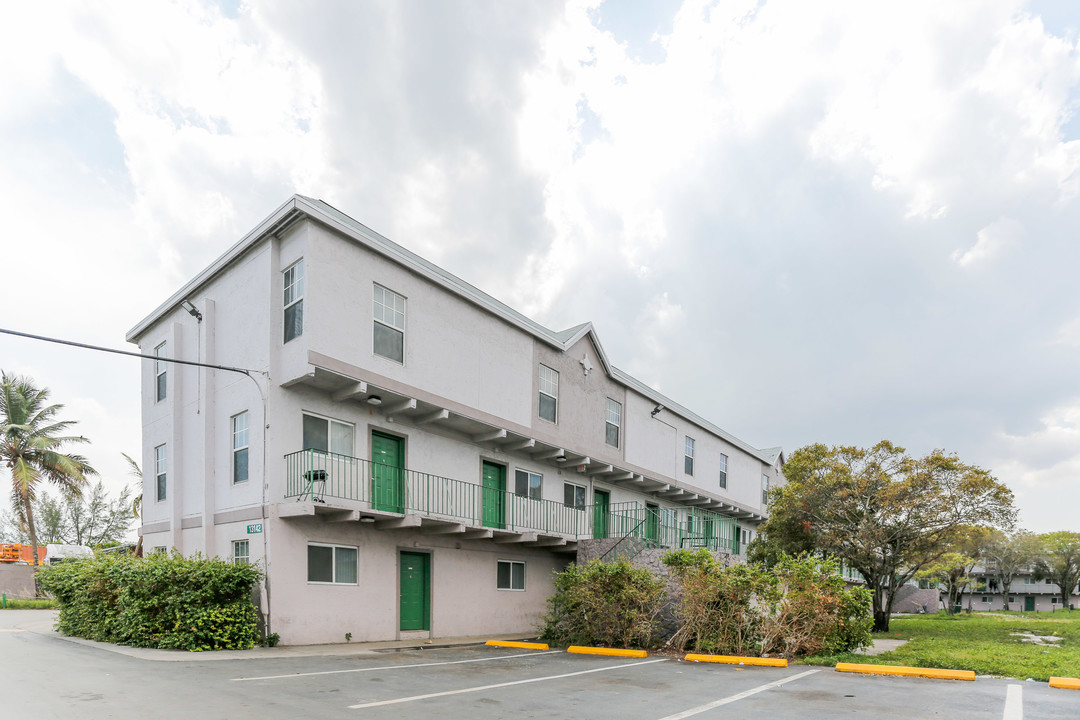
(511, 575)
(985, 599)
(331, 564)
(160, 550)
(240, 553)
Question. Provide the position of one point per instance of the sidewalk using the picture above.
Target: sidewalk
(41, 622)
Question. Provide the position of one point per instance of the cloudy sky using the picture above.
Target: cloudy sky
(827, 221)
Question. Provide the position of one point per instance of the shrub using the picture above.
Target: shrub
(606, 604)
(799, 607)
(161, 601)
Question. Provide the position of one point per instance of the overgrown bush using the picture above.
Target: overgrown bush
(605, 604)
(160, 601)
(799, 607)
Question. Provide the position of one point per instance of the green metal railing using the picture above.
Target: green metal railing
(316, 475)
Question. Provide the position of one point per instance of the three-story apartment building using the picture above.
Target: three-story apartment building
(407, 456)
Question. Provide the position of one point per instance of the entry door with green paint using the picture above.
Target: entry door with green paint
(601, 502)
(652, 522)
(415, 591)
(493, 495)
(387, 472)
(1029, 604)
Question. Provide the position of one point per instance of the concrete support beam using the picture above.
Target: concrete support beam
(349, 392)
(600, 470)
(550, 454)
(407, 404)
(409, 521)
(526, 537)
(489, 436)
(436, 416)
(521, 445)
(477, 534)
(442, 529)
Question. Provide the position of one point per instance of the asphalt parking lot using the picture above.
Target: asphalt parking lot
(45, 676)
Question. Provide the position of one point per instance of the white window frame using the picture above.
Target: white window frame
(584, 493)
(160, 550)
(385, 314)
(330, 434)
(688, 456)
(538, 487)
(161, 475)
(1029, 580)
(613, 417)
(512, 563)
(292, 289)
(333, 564)
(161, 375)
(764, 489)
(723, 470)
(241, 558)
(549, 387)
(240, 443)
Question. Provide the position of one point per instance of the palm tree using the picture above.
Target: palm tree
(31, 440)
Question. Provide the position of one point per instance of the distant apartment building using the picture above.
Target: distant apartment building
(409, 457)
(1025, 593)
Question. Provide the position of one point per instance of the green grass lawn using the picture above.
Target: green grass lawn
(39, 604)
(980, 642)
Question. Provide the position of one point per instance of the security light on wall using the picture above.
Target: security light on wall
(560, 458)
(374, 400)
(191, 310)
(656, 410)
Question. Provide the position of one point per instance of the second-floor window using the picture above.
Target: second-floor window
(293, 279)
(159, 471)
(326, 435)
(688, 456)
(240, 447)
(389, 326)
(573, 495)
(160, 373)
(764, 489)
(614, 423)
(241, 552)
(723, 471)
(549, 393)
(528, 484)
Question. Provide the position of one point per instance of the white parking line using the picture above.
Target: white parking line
(736, 698)
(395, 701)
(1014, 703)
(395, 667)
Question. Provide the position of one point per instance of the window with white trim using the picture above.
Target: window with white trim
(528, 484)
(688, 456)
(293, 279)
(240, 447)
(1029, 581)
(764, 489)
(549, 394)
(331, 564)
(160, 382)
(511, 575)
(241, 554)
(723, 471)
(159, 471)
(573, 495)
(985, 599)
(613, 426)
(388, 338)
(1054, 599)
(160, 550)
(326, 435)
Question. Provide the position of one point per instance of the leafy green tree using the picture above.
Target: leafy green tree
(881, 512)
(32, 441)
(1059, 562)
(1006, 556)
(954, 570)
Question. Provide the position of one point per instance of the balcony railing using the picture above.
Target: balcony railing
(316, 475)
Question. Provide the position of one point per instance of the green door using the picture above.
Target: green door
(652, 522)
(493, 495)
(415, 591)
(1029, 604)
(387, 472)
(601, 501)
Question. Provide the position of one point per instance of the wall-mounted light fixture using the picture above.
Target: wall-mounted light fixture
(656, 410)
(560, 458)
(191, 310)
(374, 400)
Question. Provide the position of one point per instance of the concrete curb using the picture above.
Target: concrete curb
(511, 644)
(906, 671)
(1065, 683)
(606, 651)
(736, 660)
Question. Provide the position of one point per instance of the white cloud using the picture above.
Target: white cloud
(991, 242)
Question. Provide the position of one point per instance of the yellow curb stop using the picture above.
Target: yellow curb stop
(512, 644)
(606, 651)
(736, 660)
(906, 671)
(1065, 683)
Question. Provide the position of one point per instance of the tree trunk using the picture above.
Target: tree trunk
(881, 610)
(29, 507)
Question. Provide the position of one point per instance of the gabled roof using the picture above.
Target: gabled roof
(299, 206)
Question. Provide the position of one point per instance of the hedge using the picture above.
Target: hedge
(161, 601)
